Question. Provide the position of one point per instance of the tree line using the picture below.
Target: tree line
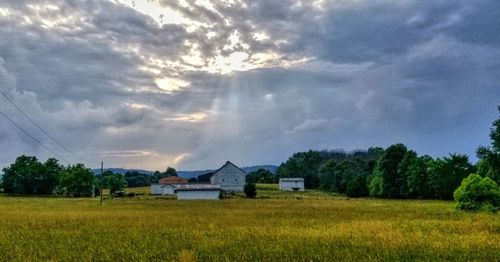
(29, 176)
(393, 172)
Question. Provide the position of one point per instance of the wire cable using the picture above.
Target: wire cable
(32, 137)
(39, 127)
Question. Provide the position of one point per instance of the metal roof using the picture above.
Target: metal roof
(291, 179)
(197, 187)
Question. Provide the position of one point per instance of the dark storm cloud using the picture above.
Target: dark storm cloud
(346, 74)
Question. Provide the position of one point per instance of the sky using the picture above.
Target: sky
(192, 84)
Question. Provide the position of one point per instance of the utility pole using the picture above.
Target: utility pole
(102, 171)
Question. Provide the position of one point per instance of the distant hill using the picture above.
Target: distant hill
(121, 170)
(186, 174)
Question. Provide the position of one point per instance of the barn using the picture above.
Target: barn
(230, 177)
(198, 192)
(166, 185)
(292, 184)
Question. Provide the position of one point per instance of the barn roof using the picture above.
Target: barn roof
(291, 179)
(172, 180)
(197, 187)
(229, 163)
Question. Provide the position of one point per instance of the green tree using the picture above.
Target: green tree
(476, 193)
(78, 180)
(250, 190)
(302, 164)
(171, 172)
(51, 173)
(115, 182)
(489, 165)
(446, 174)
(261, 176)
(404, 172)
(417, 178)
(387, 171)
(375, 185)
(357, 187)
(28, 176)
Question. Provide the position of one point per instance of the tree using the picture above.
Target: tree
(261, 176)
(51, 174)
(78, 180)
(115, 182)
(302, 164)
(28, 176)
(375, 185)
(417, 178)
(447, 173)
(250, 190)
(137, 179)
(356, 187)
(387, 174)
(170, 172)
(489, 165)
(404, 171)
(476, 193)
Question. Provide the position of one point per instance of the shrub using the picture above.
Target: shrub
(476, 193)
(356, 187)
(250, 190)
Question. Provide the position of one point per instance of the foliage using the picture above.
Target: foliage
(250, 190)
(78, 180)
(375, 185)
(476, 193)
(137, 179)
(417, 178)
(357, 187)
(29, 176)
(447, 173)
(330, 170)
(489, 165)
(387, 171)
(261, 176)
(302, 164)
(115, 182)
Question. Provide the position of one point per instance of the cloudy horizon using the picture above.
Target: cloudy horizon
(191, 84)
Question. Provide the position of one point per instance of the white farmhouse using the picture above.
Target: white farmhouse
(197, 192)
(292, 184)
(230, 177)
(166, 186)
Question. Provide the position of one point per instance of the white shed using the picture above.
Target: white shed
(156, 189)
(198, 192)
(168, 189)
(292, 184)
(166, 185)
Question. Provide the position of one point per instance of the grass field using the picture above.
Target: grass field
(317, 229)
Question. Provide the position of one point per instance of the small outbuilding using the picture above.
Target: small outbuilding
(292, 184)
(198, 192)
(166, 185)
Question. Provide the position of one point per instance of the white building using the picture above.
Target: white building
(198, 192)
(156, 189)
(292, 184)
(166, 186)
(230, 178)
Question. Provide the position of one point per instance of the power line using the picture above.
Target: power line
(39, 127)
(34, 139)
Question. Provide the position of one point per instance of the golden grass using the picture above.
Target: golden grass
(62, 229)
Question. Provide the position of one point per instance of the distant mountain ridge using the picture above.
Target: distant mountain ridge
(186, 174)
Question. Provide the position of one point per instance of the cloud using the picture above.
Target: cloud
(248, 81)
(310, 125)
